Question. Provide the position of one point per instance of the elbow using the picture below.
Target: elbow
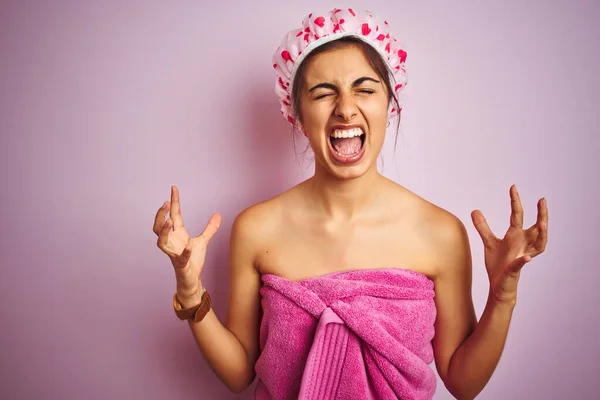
(237, 389)
(460, 390)
(460, 384)
(459, 387)
(240, 385)
(461, 396)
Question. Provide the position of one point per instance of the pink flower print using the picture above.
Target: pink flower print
(286, 55)
(402, 55)
(283, 85)
(320, 22)
(365, 29)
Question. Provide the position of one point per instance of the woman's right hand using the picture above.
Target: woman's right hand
(187, 254)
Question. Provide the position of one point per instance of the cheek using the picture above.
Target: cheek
(315, 115)
(376, 112)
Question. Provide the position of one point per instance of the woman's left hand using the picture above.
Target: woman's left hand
(505, 257)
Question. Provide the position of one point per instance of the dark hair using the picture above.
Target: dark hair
(373, 57)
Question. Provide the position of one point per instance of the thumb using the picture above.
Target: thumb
(209, 231)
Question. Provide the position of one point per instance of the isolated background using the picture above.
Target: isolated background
(103, 106)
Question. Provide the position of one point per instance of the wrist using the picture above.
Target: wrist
(502, 302)
(189, 299)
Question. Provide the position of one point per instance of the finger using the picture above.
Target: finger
(542, 216)
(516, 215)
(542, 225)
(176, 208)
(211, 228)
(483, 228)
(159, 219)
(163, 237)
(516, 266)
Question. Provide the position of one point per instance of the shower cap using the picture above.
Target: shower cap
(318, 29)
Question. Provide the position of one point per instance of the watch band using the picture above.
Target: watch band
(195, 313)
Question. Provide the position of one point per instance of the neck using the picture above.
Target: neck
(344, 199)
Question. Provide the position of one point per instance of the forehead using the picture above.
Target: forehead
(342, 66)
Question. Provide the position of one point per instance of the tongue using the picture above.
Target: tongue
(347, 146)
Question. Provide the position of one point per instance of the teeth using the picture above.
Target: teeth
(346, 133)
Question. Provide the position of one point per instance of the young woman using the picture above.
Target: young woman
(348, 285)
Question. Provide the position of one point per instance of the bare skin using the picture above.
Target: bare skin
(349, 217)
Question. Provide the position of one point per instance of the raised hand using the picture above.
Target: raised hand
(505, 257)
(187, 254)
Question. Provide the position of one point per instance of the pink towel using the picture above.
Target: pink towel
(360, 334)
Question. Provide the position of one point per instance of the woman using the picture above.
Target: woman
(348, 285)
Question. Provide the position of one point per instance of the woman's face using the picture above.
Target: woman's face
(344, 106)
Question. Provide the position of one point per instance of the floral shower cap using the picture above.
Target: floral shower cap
(318, 29)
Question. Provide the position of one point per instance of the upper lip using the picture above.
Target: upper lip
(334, 127)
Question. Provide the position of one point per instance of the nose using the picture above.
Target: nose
(346, 107)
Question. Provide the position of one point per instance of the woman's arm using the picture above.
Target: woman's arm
(468, 365)
(466, 352)
(232, 349)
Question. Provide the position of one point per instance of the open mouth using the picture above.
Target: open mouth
(347, 142)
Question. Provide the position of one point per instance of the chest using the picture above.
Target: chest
(302, 250)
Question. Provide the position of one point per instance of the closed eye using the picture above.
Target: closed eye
(367, 91)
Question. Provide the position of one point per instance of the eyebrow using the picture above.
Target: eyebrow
(327, 85)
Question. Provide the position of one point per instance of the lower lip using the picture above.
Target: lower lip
(347, 159)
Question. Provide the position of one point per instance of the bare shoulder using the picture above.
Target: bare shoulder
(445, 234)
(425, 211)
(448, 236)
(256, 224)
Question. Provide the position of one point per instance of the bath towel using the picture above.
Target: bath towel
(359, 334)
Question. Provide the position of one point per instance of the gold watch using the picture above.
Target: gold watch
(195, 313)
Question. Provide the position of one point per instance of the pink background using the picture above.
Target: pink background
(105, 105)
